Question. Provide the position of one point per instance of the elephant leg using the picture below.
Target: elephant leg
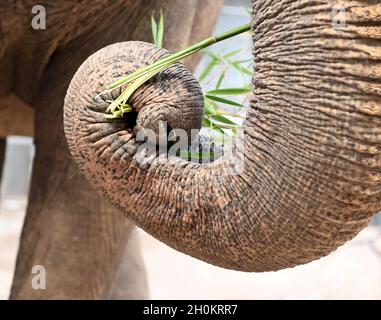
(73, 233)
(16, 117)
(130, 280)
(69, 230)
(2, 155)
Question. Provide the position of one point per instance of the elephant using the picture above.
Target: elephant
(312, 157)
(87, 247)
(312, 141)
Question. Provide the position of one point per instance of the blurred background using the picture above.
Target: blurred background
(352, 272)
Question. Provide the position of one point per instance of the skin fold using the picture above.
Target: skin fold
(80, 238)
(312, 143)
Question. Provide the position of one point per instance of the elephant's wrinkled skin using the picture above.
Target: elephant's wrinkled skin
(312, 177)
(76, 235)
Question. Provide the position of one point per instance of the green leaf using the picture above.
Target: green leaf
(212, 55)
(221, 79)
(208, 124)
(244, 61)
(207, 70)
(154, 28)
(229, 91)
(224, 120)
(160, 32)
(219, 130)
(241, 69)
(225, 101)
(209, 108)
(198, 155)
(232, 54)
(217, 124)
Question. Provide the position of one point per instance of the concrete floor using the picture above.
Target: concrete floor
(352, 272)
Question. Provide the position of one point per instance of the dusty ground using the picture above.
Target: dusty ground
(353, 272)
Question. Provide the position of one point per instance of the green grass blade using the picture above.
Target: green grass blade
(244, 61)
(232, 54)
(229, 91)
(224, 120)
(154, 28)
(208, 124)
(160, 32)
(225, 101)
(198, 155)
(217, 125)
(221, 79)
(166, 62)
(207, 70)
(209, 108)
(212, 55)
(241, 69)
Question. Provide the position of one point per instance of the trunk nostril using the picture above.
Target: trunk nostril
(173, 97)
(130, 119)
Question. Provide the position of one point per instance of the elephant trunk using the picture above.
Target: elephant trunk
(312, 142)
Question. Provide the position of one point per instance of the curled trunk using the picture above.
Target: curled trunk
(312, 161)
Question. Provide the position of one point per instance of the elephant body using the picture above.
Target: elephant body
(79, 238)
